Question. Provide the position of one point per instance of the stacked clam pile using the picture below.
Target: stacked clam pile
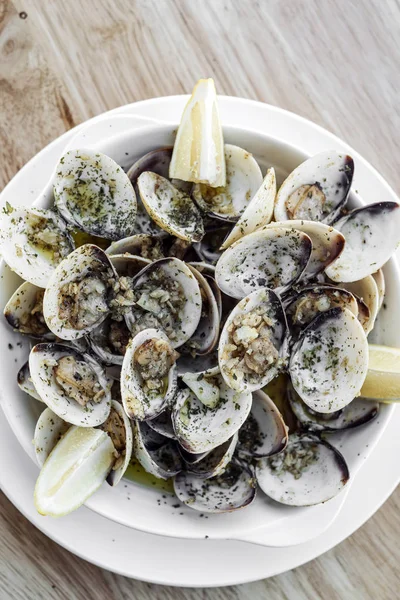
(160, 346)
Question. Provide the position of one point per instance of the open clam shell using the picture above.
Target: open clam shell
(158, 162)
(243, 179)
(206, 335)
(316, 189)
(173, 210)
(25, 382)
(72, 384)
(48, 431)
(94, 194)
(367, 291)
(157, 455)
(358, 412)
(303, 307)
(148, 375)
(327, 243)
(234, 489)
(119, 428)
(215, 462)
(169, 291)
(372, 235)
(309, 471)
(33, 241)
(264, 433)
(329, 361)
(252, 348)
(200, 428)
(24, 312)
(258, 212)
(79, 294)
(274, 258)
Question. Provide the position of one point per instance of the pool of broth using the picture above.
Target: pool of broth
(81, 237)
(276, 390)
(136, 473)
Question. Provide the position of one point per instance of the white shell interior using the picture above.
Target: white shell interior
(329, 362)
(41, 364)
(318, 483)
(323, 168)
(29, 261)
(49, 430)
(243, 179)
(137, 403)
(274, 258)
(372, 236)
(93, 193)
(85, 259)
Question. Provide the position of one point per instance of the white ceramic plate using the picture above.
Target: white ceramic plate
(193, 563)
(244, 525)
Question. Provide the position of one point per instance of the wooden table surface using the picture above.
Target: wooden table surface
(335, 62)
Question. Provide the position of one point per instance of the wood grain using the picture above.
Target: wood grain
(335, 62)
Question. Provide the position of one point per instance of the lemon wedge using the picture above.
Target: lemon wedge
(383, 377)
(75, 468)
(198, 154)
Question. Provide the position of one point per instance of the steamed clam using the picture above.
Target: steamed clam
(119, 429)
(309, 471)
(199, 427)
(148, 375)
(243, 179)
(317, 189)
(159, 347)
(258, 212)
(372, 235)
(273, 258)
(169, 293)
(235, 488)
(80, 293)
(329, 361)
(72, 384)
(252, 344)
(305, 305)
(264, 433)
(92, 193)
(327, 243)
(33, 242)
(25, 382)
(172, 209)
(157, 454)
(24, 312)
(358, 412)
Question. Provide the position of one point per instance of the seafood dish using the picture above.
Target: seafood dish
(201, 281)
